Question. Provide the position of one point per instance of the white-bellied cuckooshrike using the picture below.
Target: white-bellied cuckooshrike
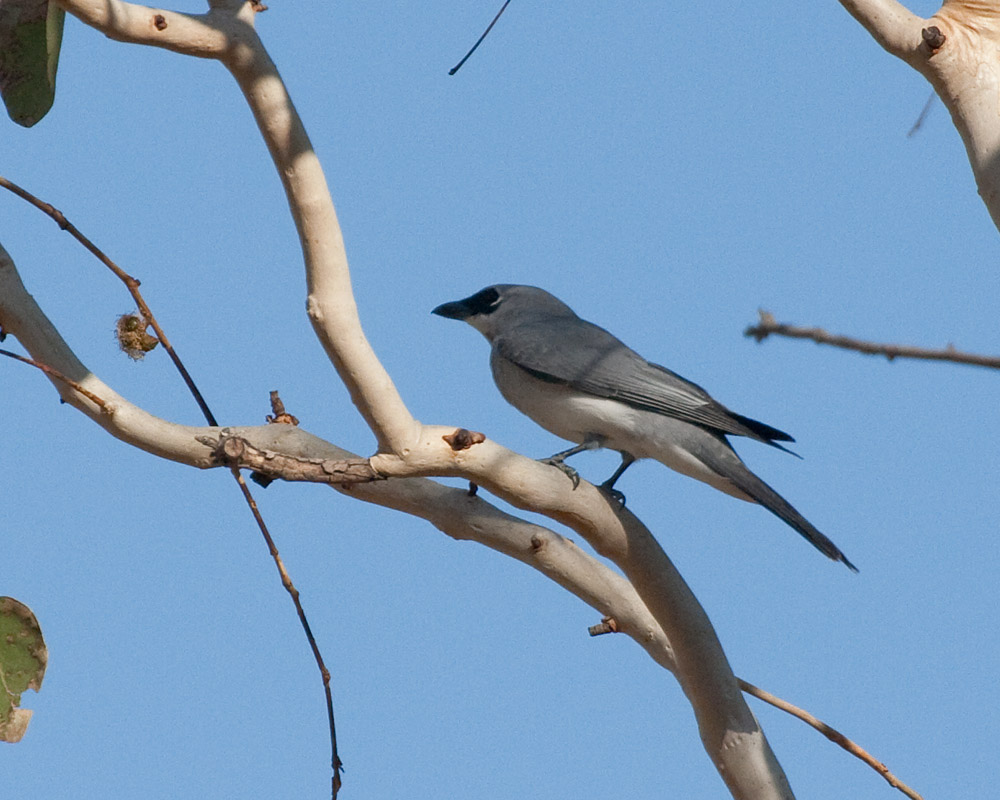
(581, 383)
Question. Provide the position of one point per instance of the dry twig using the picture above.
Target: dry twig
(76, 387)
(132, 284)
(832, 734)
(768, 325)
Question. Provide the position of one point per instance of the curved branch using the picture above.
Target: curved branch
(768, 326)
(833, 735)
(290, 453)
(890, 23)
(729, 731)
(958, 51)
(227, 34)
(728, 728)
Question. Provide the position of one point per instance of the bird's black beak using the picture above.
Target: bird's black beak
(485, 301)
(459, 309)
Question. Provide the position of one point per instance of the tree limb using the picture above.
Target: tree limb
(958, 51)
(290, 453)
(890, 23)
(768, 326)
(729, 731)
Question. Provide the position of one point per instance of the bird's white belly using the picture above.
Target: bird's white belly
(578, 417)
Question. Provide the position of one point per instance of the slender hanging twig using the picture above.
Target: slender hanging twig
(132, 284)
(479, 41)
(923, 115)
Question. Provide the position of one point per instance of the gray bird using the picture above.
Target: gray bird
(581, 383)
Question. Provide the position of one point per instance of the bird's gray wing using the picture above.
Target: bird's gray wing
(582, 355)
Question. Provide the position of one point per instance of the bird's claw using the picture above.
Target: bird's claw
(565, 468)
(618, 497)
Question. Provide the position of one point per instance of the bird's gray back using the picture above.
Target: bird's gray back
(569, 350)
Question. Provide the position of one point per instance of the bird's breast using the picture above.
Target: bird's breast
(559, 408)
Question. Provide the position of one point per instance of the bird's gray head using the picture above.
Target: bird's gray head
(503, 306)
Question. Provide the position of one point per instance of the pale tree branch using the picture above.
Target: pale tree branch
(227, 34)
(289, 453)
(958, 51)
(834, 736)
(729, 731)
(890, 23)
(769, 326)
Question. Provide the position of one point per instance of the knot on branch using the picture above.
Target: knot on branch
(236, 452)
(764, 328)
(462, 439)
(280, 416)
(608, 625)
(933, 38)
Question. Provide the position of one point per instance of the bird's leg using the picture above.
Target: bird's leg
(559, 458)
(609, 484)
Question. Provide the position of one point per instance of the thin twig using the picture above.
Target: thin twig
(923, 115)
(832, 734)
(768, 326)
(133, 287)
(286, 581)
(132, 284)
(479, 41)
(76, 387)
(610, 625)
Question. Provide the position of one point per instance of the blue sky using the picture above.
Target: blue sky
(664, 173)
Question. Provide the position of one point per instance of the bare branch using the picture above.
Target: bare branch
(235, 452)
(890, 23)
(769, 326)
(227, 34)
(958, 51)
(286, 581)
(833, 735)
(131, 283)
(479, 41)
(54, 373)
(453, 511)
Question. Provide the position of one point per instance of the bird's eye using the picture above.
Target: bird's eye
(485, 301)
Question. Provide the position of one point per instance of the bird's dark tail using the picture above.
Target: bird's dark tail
(743, 479)
(765, 433)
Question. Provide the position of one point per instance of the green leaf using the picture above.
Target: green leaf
(23, 657)
(30, 37)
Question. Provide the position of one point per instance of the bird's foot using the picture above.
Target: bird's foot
(565, 468)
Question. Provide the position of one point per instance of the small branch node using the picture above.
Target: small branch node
(159, 22)
(231, 449)
(933, 38)
(607, 625)
(280, 416)
(463, 439)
